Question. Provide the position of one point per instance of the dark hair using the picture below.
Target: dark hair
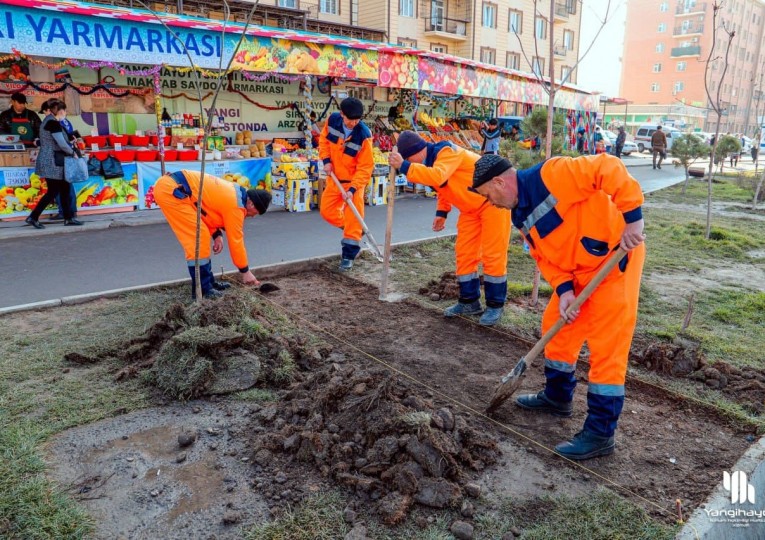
(55, 105)
(312, 115)
(18, 97)
(493, 122)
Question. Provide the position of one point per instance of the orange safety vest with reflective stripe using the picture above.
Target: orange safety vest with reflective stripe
(573, 211)
(449, 170)
(356, 169)
(223, 207)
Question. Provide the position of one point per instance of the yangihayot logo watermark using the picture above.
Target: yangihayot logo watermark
(741, 492)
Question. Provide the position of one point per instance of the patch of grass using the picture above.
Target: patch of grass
(723, 189)
(37, 399)
(520, 290)
(285, 367)
(257, 395)
(320, 517)
(599, 516)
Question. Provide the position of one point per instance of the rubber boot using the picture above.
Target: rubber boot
(495, 291)
(586, 445)
(206, 279)
(470, 297)
(541, 403)
(350, 249)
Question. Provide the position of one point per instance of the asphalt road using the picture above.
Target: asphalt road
(38, 268)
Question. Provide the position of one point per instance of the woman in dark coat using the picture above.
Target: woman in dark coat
(54, 146)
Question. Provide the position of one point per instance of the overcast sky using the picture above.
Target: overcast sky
(601, 69)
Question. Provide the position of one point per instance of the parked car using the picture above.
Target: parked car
(644, 132)
(629, 147)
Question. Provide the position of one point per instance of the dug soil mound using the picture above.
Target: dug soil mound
(684, 359)
(446, 287)
(209, 348)
(373, 434)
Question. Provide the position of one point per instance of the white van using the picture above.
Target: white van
(644, 132)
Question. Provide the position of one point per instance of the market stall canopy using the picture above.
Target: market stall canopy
(96, 32)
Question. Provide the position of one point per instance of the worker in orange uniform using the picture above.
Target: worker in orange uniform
(224, 207)
(483, 231)
(573, 213)
(345, 148)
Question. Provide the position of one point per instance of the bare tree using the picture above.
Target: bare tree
(219, 79)
(550, 86)
(715, 103)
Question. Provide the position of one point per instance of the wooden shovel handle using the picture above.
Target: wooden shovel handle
(584, 295)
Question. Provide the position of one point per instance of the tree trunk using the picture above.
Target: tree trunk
(687, 180)
(709, 177)
(757, 191)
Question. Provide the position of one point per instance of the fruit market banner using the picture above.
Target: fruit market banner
(21, 189)
(285, 56)
(245, 172)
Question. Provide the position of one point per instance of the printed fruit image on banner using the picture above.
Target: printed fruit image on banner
(285, 56)
(98, 192)
(487, 83)
(20, 195)
(468, 83)
(399, 71)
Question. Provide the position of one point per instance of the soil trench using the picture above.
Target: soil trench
(667, 449)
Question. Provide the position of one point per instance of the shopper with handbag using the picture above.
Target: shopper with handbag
(54, 147)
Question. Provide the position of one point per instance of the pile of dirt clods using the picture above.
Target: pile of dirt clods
(371, 433)
(445, 288)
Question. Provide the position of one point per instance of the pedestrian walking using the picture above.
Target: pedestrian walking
(491, 137)
(621, 138)
(658, 147)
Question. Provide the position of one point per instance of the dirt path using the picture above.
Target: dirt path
(667, 448)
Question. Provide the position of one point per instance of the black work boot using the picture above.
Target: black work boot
(221, 285)
(586, 445)
(540, 402)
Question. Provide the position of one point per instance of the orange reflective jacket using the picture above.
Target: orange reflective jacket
(449, 170)
(358, 169)
(573, 211)
(223, 207)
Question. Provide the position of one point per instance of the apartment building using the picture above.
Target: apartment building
(667, 44)
(506, 33)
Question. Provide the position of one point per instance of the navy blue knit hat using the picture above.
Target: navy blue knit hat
(409, 143)
(260, 198)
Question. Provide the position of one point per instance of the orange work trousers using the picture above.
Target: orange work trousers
(606, 321)
(336, 212)
(181, 215)
(483, 236)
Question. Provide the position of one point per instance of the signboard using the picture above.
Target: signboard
(21, 189)
(245, 172)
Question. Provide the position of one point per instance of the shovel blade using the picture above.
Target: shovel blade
(507, 386)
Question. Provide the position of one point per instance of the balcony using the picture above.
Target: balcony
(687, 30)
(560, 51)
(563, 10)
(685, 51)
(682, 10)
(445, 28)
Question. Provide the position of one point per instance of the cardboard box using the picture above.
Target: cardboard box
(14, 159)
(277, 197)
(298, 196)
(377, 191)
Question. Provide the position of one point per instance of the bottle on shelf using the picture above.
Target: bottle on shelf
(166, 118)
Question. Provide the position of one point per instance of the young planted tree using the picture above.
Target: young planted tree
(728, 145)
(220, 78)
(688, 149)
(715, 102)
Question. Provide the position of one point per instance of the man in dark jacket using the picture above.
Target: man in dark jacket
(621, 138)
(18, 120)
(658, 146)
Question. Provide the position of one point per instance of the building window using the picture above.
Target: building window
(328, 6)
(513, 60)
(288, 4)
(662, 27)
(538, 67)
(515, 23)
(681, 66)
(660, 47)
(568, 40)
(406, 8)
(663, 7)
(488, 56)
(657, 68)
(655, 87)
(438, 48)
(679, 86)
(565, 71)
(541, 28)
(489, 15)
(404, 42)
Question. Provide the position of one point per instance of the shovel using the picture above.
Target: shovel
(376, 251)
(510, 382)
